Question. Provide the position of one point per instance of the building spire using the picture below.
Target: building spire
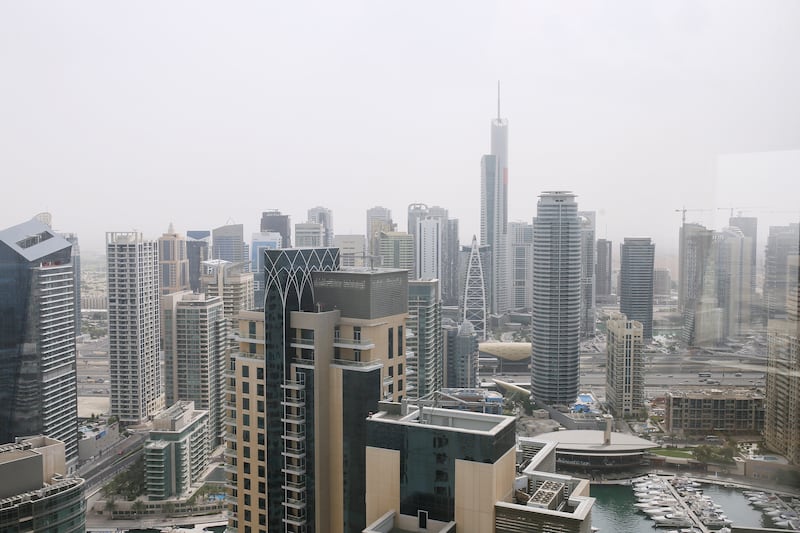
(498, 99)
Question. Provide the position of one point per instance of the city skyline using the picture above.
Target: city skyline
(697, 100)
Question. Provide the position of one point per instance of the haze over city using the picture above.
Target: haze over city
(116, 117)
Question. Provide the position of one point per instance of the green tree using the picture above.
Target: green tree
(138, 507)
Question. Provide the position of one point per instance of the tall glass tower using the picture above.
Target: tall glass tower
(555, 335)
(494, 212)
(38, 387)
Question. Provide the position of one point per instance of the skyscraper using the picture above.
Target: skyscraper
(198, 245)
(134, 330)
(461, 354)
(636, 282)
(309, 235)
(323, 216)
(38, 387)
(273, 220)
(332, 346)
(694, 262)
(228, 244)
(782, 242)
(521, 251)
(555, 336)
(782, 405)
(474, 306)
(173, 262)
(195, 343)
(749, 227)
(235, 287)
(604, 269)
(352, 250)
(448, 248)
(425, 362)
(733, 250)
(379, 219)
(428, 248)
(588, 260)
(264, 240)
(494, 212)
(396, 250)
(624, 366)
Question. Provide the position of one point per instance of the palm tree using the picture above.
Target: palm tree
(137, 507)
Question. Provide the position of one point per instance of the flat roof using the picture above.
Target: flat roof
(591, 441)
(451, 419)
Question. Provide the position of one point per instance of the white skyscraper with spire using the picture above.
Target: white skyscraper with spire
(494, 212)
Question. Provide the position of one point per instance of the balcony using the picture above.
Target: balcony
(302, 343)
(295, 503)
(353, 344)
(294, 435)
(294, 469)
(294, 486)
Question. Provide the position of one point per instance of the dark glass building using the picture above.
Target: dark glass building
(38, 387)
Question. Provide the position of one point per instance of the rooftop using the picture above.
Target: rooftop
(587, 440)
(464, 421)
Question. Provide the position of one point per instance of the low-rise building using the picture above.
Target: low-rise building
(714, 410)
(177, 451)
(96, 439)
(35, 494)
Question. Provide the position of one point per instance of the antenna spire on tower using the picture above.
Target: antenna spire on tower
(498, 99)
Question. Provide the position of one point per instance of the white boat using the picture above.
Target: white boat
(672, 519)
(656, 511)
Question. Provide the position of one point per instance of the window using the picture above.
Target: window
(245, 387)
(252, 348)
(260, 422)
(246, 483)
(246, 452)
(246, 468)
(246, 403)
(246, 435)
(391, 343)
(260, 406)
(399, 341)
(356, 333)
(391, 371)
(252, 329)
(246, 420)
(247, 499)
(259, 373)
(245, 371)
(260, 389)
(399, 369)
(357, 355)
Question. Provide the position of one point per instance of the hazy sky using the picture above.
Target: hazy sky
(122, 115)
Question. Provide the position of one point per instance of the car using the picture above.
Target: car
(738, 374)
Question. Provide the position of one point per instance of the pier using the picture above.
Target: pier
(689, 512)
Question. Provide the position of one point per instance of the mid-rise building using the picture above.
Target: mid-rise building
(36, 493)
(324, 217)
(195, 343)
(637, 255)
(38, 384)
(134, 328)
(588, 260)
(309, 235)
(624, 366)
(494, 214)
(555, 335)
(273, 221)
(521, 252)
(604, 269)
(710, 411)
(177, 451)
(228, 244)
(352, 250)
(330, 347)
(198, 250)
(396, 250)
(461, 354)
(473, 304)
(425, 350)
(173, 262)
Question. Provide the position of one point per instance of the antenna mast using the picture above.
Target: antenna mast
(498, 100)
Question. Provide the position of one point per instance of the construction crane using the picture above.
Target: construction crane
(683, 213)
